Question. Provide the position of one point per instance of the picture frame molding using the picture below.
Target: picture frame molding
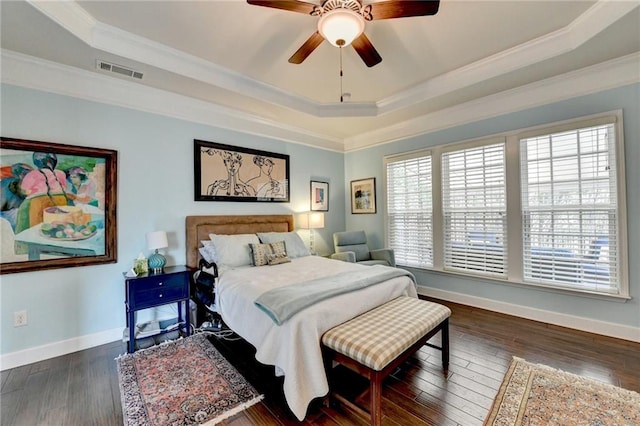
(355, 209)
(314, 206)
(110, 205)
(199, 145)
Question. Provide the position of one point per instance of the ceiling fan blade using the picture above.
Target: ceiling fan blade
(291, 5)
(367, 52)
(307, 47)
(401, 8)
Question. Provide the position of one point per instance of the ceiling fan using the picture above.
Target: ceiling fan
(342, 22)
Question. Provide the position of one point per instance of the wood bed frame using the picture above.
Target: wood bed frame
(198, 229)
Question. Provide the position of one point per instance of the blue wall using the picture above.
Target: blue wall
(155, 192)
(368, 163)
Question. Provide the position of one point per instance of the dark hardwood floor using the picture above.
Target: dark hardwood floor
(82, 388)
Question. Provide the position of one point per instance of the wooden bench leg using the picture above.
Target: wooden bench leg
(445, 346)
(376, 398)
(327, 360)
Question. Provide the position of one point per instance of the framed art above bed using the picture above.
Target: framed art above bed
(231, 173)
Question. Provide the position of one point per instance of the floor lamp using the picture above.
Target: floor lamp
(312, 221)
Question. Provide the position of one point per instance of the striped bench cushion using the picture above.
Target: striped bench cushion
(378, 336)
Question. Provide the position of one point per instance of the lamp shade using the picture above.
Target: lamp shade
(311, 221)
(341, 26)
(157, 240)
(316, 220)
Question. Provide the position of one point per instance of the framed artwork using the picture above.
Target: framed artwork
(363, 196)
(58, 205)
(231, 173)
(319, 196)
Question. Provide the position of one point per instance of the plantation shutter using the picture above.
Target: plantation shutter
(474, 210)
(409, 210)
(570, 208)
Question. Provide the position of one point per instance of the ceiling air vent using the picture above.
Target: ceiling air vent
(118, 69)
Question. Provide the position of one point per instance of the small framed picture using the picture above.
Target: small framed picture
(363, 196)
(319, 196)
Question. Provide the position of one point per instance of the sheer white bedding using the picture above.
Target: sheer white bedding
(294, 347)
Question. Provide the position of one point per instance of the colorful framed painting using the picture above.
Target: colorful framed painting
(363, 196)
(319, 196)
(230, 173)
(58, 205)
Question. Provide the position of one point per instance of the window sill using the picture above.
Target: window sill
(621, 298)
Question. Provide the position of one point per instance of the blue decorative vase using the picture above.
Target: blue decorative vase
(156, 262)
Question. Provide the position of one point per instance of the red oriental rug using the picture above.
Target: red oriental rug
(183, 382)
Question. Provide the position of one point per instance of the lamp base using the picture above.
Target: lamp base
(156, 263)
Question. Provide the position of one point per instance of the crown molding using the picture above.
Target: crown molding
(110, 39)
(77, 21)
(35, 73)
(607, 75)
(597, 18)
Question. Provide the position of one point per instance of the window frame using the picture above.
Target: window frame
(515, 229)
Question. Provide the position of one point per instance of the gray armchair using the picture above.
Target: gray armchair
(352, 247)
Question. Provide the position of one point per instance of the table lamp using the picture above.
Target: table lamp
(157, 240)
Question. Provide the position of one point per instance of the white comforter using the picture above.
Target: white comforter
(294, 347)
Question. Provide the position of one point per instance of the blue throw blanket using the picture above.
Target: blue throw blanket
(283, 302)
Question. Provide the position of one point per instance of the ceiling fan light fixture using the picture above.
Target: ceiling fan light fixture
(341, 26)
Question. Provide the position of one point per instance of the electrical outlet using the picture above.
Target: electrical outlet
(19, 318)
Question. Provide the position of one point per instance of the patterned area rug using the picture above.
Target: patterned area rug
(183, 382)
(534, 394)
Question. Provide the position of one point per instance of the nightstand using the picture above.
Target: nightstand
(151, 290)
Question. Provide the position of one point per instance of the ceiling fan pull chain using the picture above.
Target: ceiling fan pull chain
(341, 73)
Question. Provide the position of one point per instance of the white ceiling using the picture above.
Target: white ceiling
(232, 54)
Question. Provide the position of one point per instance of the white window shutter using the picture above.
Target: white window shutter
(474, 210)
(409, 210)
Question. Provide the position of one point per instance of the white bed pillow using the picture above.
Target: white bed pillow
(231, 250)
(292, 241)
(208, 252)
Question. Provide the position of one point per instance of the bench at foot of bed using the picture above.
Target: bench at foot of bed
(375, 343)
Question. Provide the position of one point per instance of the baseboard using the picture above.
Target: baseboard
(63, 347)
(570, 321)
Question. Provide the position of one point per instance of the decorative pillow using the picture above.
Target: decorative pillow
(276, 259)
(262, 253)
(232, 250)
(292, 241)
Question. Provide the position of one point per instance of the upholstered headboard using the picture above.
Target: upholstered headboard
(199, 227)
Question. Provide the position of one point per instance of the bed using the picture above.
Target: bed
(293, 347)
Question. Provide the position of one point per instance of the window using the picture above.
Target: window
(474, 210)
(570, 208)
(544, 207)
(409, 209)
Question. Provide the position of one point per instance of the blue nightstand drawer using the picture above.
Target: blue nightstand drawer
(149, 298)
(157, 282)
